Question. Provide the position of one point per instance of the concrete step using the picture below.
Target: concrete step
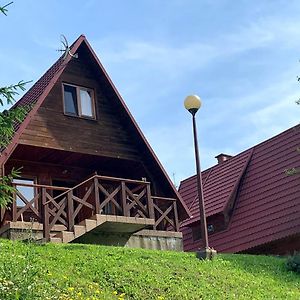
(79, 230)
(100, 219)
(66, 236)
(107, 223)
(89, 224)
(56, 240)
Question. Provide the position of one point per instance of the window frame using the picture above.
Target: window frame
(78, 89)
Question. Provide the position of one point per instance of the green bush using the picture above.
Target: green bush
(293, 263)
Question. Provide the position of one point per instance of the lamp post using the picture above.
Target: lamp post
(192, 104)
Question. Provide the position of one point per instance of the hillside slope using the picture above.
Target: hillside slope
(71, 271)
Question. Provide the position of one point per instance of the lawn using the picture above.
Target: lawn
(73, 271)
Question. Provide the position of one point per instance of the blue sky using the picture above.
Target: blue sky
(241, 57)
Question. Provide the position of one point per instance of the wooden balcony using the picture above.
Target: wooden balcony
(99, 203)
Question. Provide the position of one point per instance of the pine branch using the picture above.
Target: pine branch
(6, 188)
(3, 9)
(8, 92)
(8, 119)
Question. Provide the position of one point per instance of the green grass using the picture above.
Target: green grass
(73, 271)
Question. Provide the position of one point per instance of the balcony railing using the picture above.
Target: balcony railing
(52, 205)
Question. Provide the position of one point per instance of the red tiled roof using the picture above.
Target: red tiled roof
(218, 185)
(267, 207)
(35, 93)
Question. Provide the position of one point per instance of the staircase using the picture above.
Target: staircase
(102, 223)
(105, 204)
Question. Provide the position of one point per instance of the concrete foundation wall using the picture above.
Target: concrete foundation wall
(21, 232)
(147, 239)
(150, 239)
(25, 231)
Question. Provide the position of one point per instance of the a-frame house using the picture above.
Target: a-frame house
(88, 173)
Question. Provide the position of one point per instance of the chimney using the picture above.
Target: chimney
(222, 157)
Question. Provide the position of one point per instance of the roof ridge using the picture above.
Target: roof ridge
(238, 181)
(54, 66)
(243, 151)
(35, 96)
(206, 179)
(233, 188)
(190, 177)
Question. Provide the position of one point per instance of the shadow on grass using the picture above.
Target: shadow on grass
(77, 247)
(260, 265)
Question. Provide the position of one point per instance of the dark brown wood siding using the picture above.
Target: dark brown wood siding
(105, 136)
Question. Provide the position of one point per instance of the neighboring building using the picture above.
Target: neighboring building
(252, 205)
(88, 173)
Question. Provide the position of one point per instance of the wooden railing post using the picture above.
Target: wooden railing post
(176, 221)
(14, 207)
(45, 219)
(2, 214)
(124, 200)
(154, 226)
(70, 211)
(97, 198)
(150, 202)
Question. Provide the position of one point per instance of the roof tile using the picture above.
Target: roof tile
(268, 204)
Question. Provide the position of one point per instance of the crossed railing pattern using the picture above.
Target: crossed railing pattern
(166, 213)
(53, 205)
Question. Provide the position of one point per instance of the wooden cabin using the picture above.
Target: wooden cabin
(88, 173)
(252, 204)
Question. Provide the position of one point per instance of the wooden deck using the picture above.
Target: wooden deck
(100, 203)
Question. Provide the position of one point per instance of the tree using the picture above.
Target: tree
(7, 121)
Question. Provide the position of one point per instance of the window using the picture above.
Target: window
(210, 228)
(196, 231)
(28, 192)
(79, 101)
(70, 97)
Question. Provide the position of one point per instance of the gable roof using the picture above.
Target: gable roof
(267, 205)
(219, 186)
(34, 97)
(39, 91)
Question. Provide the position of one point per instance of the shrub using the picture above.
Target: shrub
(293, 263)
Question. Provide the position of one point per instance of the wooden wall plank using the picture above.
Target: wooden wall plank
(106, 136)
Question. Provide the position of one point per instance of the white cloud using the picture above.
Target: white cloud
(175, 60)
(229, 124)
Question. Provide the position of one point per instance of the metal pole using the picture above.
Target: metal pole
(204, 234)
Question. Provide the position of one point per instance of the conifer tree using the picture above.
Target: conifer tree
(7, 120)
